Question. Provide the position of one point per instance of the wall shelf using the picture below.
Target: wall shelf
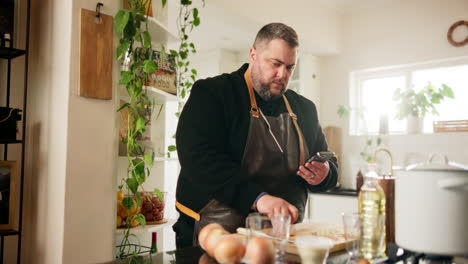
(10, 141)
(148, 228)
(10, 53)
(159, 32)
(8, 233)
(152, 90)
(166, 95)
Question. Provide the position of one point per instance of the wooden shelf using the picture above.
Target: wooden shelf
(10, 53)
(159, 32)
(148, 228)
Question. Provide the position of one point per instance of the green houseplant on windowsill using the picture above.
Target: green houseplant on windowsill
(415, 105)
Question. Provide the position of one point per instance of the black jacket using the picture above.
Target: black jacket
(211, 136)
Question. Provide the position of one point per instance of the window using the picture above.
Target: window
(372, 95)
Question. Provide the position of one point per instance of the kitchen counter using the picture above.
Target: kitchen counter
(340, 192)
(194, 255)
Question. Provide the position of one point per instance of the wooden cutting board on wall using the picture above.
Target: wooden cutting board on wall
(95, 55)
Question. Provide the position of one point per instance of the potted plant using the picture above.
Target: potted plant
(415, 105)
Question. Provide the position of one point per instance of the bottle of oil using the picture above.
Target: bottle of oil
(372, 212)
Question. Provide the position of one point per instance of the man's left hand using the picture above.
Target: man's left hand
(314, 172)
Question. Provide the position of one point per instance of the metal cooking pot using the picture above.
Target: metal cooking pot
(431, 207)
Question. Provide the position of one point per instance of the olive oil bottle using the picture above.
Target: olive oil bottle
(372, 215)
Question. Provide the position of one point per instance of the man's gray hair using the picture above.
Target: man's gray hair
(273, 31)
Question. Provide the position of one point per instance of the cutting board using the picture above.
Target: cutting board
(333, 232)
(95, 55)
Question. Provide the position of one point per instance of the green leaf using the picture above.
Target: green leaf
(174, 53)
(141, 219)
(127, 202)
(140, 124)
(146, 39)
(163, 3)
(183, 55)
(126, 77)
(120, 21)
(185, 2)
(447, 91)
(182, 93)
(195, 13)
(150, 66)
(379, 141)
(196, 21)
(122, 48)
(138, 199)
(132, 185)
(123, 106)
(369, 142)
(343, 111)
(148, 159)
(172, 148)
(194, 71)
(159, 194)
(130, 29)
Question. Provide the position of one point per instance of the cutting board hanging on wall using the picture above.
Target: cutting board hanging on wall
(95, 55)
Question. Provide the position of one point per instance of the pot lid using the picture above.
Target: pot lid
(443, 165)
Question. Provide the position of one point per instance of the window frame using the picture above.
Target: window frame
(358, 77)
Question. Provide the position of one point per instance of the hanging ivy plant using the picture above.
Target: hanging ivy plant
(187, 20)
(134, 51)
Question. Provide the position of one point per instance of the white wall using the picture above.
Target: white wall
(212, 62)
(70, 184)
(384, 34)
(46, 152)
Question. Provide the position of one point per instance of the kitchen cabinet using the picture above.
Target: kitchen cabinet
(163, 175)
(327, 207)
(305, 79)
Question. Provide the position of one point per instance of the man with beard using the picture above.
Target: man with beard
(243, 140)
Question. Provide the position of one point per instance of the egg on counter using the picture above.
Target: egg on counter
(212, 239)
(230, 249)
(205, 231)
(260, 251)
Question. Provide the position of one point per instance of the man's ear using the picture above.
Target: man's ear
(253, 55)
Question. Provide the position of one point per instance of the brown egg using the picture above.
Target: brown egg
(362, 261)
(260, 251)
(229, 250)
(205, 231)
(212, 240)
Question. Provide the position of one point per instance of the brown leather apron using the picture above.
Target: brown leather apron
(273, 152)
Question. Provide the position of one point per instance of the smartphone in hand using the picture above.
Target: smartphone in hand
(322, 156)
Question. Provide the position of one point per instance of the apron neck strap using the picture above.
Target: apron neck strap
(253, 103)
(298, 130)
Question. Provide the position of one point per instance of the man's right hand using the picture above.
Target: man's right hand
(268, 204)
